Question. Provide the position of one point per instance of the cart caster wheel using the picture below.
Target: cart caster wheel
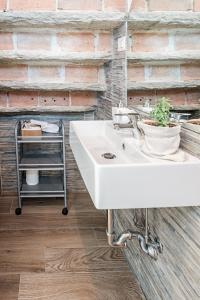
(65, 211)
(18, 211)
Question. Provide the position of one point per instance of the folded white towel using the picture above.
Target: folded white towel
(45, 126)
(50, 128)
(39, 123)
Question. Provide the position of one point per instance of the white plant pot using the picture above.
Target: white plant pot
(160, 141)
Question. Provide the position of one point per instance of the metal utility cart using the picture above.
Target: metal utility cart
(45, 153)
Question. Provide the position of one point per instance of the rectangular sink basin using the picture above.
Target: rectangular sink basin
(131, 179)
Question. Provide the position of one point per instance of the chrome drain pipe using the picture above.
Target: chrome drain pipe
(121, 241)
(148, 245)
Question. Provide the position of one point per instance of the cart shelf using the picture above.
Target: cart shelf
(42, 195)
(41, 161)
(52, 179)
(44, 138)
(47, 184)
(40, 139)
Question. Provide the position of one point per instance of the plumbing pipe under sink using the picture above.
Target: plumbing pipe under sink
(151, 247)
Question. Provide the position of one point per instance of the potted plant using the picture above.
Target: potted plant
(161, 137)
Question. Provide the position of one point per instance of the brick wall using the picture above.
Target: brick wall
(43, 42)
(60, 43)
(52, 5)
(165, 5)
(42, 99)
(177, 43)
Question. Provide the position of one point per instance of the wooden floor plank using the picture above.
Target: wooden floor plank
(76, 203)
(101, 235)
(59, 238)
(34, 206)
(5, 205)
(61, 257)
(9, 286)
(21, 260)
(81, 202)
(79, 286)
(85, 259)
(52, 221)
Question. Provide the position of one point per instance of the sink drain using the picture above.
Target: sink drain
(109, 155)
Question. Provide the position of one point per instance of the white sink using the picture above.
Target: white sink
(132, 179)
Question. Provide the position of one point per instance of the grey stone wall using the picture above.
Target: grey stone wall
(115, 75)
(176, 274)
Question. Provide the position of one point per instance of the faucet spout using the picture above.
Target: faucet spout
(133, 123)
(134, 119)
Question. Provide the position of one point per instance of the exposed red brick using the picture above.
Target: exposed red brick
(136, 73)
(149, 42)
(2, 4)
(33, 41)
(163, 73)
(104, 42)
(138, 5)
(83, 98)
(175, 97)
(79, 4)
(87, 74)
(115, 5)
(196, 5)
(189, 72)
(18, 73)
(76, 41)
(6, 41)
(170, 5)
(43, 73)
(139, 98)
(54, 98)
(23, 99)
(3, 99)
(193, 97)
(187, 41)
(32, 5)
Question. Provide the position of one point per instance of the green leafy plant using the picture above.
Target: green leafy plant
(161, 112)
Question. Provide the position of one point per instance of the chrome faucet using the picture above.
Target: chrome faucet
(133, 123)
